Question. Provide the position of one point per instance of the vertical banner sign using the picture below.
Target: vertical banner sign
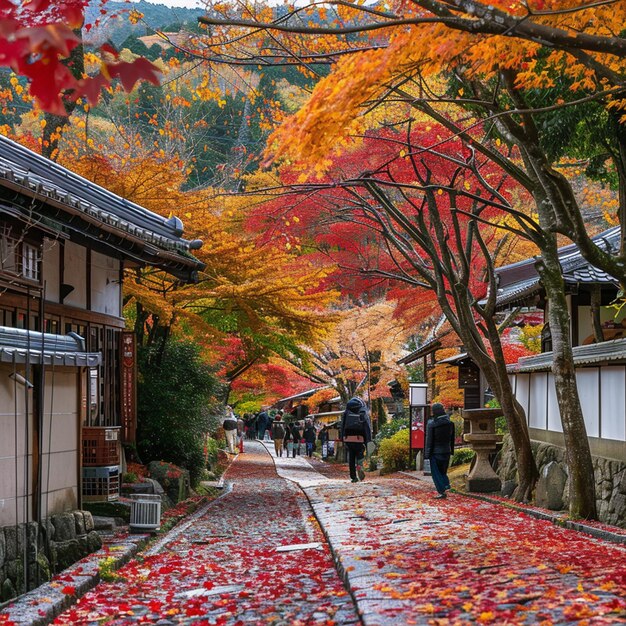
(128, 372)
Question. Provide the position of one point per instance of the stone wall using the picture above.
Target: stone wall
(553, 486)
(52, 545)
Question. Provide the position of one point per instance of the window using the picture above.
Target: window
(18, 257)
(8, 249)
(30, 262)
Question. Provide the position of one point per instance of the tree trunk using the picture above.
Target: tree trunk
(516, 423)
(577, 453)
(499, 381)
(596, 303)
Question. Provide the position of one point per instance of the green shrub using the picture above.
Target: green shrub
(212, 446)
(176, 390)
(462, 456)
(458, 422)
(391, 428)
(394, 451)
(130, 477)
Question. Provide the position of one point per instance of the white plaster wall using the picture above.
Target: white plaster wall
(105, 287)
(554, 414)
(522, 391)
(75, 274)
(50, 264)
(613, 408)
(60, 483)
(538, 398)
(60, 446)
(13, 446)
(588, 380)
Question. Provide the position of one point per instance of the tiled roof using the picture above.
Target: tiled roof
(33, 175)
(21, 346)
(520, 280)
(606, 351)
(423, 350)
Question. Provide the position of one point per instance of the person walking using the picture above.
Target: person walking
(296, 436)
(323, 439)
(278, 433)
(356, 433)
(288, 440)
(241, 427)
(309, 437)
(439, 447)
(268, 426)
(229, 424)
(262, 422)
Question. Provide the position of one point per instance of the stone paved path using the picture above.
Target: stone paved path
(224, 567)
(410, 559)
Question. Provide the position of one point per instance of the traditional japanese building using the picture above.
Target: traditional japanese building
(597, 335)
(67, 370)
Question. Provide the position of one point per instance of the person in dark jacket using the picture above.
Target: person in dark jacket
(262, 422)
(439, 447)
(310, 437)
(296, 436)
(355, 440)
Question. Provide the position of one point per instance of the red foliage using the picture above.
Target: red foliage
(339, 217)
(36, 39)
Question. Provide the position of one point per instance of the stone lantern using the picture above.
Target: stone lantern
(483, 439)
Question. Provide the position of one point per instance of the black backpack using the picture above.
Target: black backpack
(229, 424)
(354, 424)
(278, 430)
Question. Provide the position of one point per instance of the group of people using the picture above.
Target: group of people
(355, 432)
(293, 438)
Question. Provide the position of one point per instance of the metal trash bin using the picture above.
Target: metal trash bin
(145, 512)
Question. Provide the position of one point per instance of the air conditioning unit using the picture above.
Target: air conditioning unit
(145, 512)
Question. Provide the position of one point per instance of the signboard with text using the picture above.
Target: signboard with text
(128, 372)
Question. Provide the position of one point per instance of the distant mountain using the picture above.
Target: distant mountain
(114, 25)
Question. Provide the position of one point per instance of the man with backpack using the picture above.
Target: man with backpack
(356, 433)
(229, 424)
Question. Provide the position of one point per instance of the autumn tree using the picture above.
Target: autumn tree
(359, 355)
(508, 58)
(434, 221)
(252, 300)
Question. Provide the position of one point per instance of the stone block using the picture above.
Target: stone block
(94, 541)
(15, 571)
(65, 553)
(508, 487)
(10, 539)
(32, 532)
(46, 532)
(79, 522)
(88, 517)
(550, 486)
(8, 590)
(64, 527)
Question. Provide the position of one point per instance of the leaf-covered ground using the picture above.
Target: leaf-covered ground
(414, 560)
(409, 559)
(224, 568)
